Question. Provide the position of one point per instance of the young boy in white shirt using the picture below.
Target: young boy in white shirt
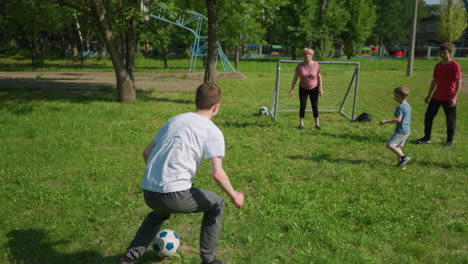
(172, 159)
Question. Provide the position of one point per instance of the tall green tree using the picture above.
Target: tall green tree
(359, 27)
(117, 21)
(394, 21)
(269, 19)
(239, 24)
(34, 25)
(160, 34)
(452, 22)
(329, 21)
(312, 23)
(289, 29)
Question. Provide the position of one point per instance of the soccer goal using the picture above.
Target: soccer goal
(340, 80)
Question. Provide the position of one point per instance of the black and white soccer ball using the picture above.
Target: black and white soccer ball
(166, 243)
(263, 111)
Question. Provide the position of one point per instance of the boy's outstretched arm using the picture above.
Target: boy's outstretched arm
(396, 120)
(222, 179)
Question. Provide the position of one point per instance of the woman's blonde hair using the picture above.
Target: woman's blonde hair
(308, 51)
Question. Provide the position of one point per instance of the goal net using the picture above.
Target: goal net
(340, 81)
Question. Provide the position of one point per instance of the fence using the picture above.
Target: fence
(429, 52)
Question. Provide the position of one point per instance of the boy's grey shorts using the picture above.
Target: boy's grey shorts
(397, 139)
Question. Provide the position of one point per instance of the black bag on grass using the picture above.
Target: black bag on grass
(364, 117)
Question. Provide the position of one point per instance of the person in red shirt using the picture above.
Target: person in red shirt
(310, 85)
(447, 85)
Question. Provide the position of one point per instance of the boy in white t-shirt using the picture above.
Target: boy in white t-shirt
(172, 160)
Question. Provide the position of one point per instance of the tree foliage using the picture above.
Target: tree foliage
(359, 27)
(33, 25)
(309, 23)
(452, 21)
(239, 23)
(117, 22)
(289, 28)
(330, 20)
(393, 22)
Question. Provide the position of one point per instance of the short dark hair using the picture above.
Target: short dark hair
(446, 47)
(208, 94)
(401, 91)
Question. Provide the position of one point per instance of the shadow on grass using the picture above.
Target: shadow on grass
(441, 165)
(359, 138)
(32, 246)
(16, 100)
(147, 96)
(327, 158)
(86, 93)
(241, 125)
(53, 85)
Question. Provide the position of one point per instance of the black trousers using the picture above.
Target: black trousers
(450, 115)
(313, 95)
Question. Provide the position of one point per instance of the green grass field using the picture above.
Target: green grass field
(71, 165)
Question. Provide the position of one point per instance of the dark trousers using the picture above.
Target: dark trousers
(189, 201)
(450, 115)
(313, 95)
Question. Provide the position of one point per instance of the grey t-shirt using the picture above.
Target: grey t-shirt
(405, 111)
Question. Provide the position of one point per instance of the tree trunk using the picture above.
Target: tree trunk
(37, 48)
(237, 57)
(99, 47)
(80, 35)
(322, 41)
(293, 53)
(323, 8)
(125, 84)
(72, 41)
(131, 46)
(32, 48)
(123, 59)
(75, 49)
(212, 56)
(165, 60)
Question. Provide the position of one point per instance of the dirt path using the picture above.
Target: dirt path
(98, 81)
(95, 81)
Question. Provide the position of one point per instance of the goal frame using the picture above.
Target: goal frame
(353, 84)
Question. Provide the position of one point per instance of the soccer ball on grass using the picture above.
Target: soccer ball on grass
(166, 243)
(263, 110)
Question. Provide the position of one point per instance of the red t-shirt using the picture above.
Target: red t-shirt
(446, 76)
(308, 74)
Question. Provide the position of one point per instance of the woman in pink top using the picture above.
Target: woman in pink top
(310, 85)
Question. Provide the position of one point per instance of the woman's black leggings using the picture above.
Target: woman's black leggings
(313, 94)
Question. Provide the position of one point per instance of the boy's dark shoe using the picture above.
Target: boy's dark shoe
(423, 140)
(448, 144)
(403, 161)
(300, 127)
(217, 261)
(317, 127)
(126, 260)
